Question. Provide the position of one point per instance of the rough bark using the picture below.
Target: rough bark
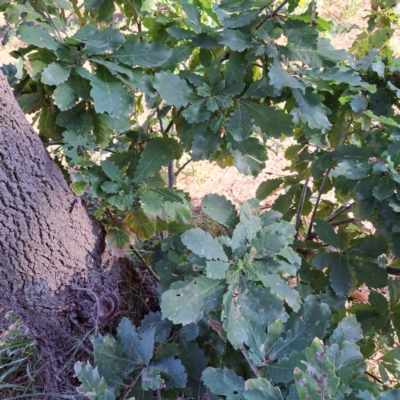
(53, 263)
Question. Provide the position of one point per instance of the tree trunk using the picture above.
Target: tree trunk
(54, 271)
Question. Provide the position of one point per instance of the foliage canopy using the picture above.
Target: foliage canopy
(259, 311)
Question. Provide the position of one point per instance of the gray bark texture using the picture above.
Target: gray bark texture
(54, 271)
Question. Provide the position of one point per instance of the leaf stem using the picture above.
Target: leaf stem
(321, 188)
(145, 264)
(252, 366)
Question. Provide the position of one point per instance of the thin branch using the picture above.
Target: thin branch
(138, 22)
(273, 13)
(341, 210)
(51, 20)
(252, 366)
(301, 205)
(374, 377)
(344, 222)
(182, 167)
(145, 264)
(342, 139)
(171, 175)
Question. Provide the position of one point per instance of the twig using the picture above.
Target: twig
(341, 210)
(321, 188)
(143, 261)
(301, 205)
(182, 167)
(51, 20)
(342, 139)
(138, 22)
(252, 366)
(171, 175)
(343, 222)
(374, 377)
(273, 13)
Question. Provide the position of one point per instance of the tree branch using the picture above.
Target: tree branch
(344, 222)
(341, 210)
(143, 261)
(182, 167)
(342, 139)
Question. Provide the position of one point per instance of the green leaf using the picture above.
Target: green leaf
(174, 90)
(193, 13)
(323, 55)
(348, 330)
(261, 389)
(151, 379)
(157, 153)
(246, 305)
(248, 156)
(235, 40)
(311, 109)
(65, 96)
(38, 37)
(111, 187)
(118, 240)
(30, 102)
(205, 144)
(301, 33)
(239, 123)
(348, 361)
(138, 351)
(266, 188)
(281, 78)
(203, 244)
(310, 322)
(224, 382)
(173, 373)
(370, 273)
(139, 223)
(92, 4)
(241, 19)
(352, 169)
(270, 241)
(272, 121)
(192, 358)
(109, 95)
(109, 353)
(385, 189)
(92, 382)
(320, 377)
(282, 371)
(282, 290)
(220, 209)
(326, 233)
(142, 53)
(186, 302)
(341, 275)
(112, 171)
(162, 327)
(56, 73)
(217, 269)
